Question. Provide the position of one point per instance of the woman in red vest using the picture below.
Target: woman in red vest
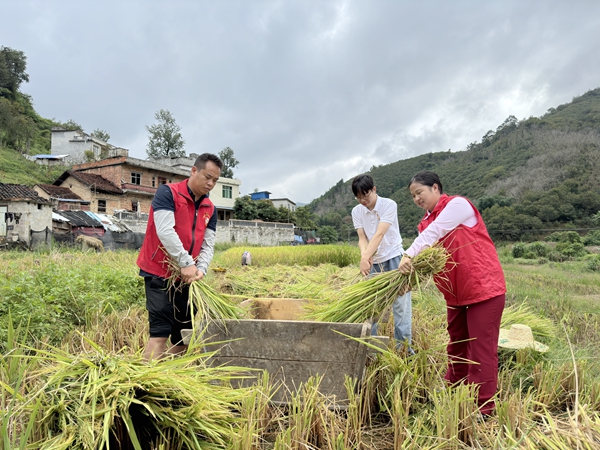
(473, 284)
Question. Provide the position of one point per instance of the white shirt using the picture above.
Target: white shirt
(457, 212)
(385, 210)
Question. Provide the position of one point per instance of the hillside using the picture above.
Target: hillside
(22, 130)
(527, 176)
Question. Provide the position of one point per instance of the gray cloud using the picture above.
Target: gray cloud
(305, 92)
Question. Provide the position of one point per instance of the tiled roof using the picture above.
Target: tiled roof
(59, 192)
(96, 182)
(80, 219)
(19, 192)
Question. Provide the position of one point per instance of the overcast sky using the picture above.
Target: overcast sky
(305, 92)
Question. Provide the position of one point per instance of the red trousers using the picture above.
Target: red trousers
(473, 347)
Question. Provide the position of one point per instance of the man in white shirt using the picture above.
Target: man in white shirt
(376, 222)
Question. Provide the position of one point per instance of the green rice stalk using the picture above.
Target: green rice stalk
(205, 302)
(90, 400)
(210, 305)
(370, 298)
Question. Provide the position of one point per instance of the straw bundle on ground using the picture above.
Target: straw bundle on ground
(371, 298)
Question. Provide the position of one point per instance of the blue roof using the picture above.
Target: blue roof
(46, 156)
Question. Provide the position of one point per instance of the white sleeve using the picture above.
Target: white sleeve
(389, 213)
(356, 220)
(457, 212)
(164, 222)
(207, 251)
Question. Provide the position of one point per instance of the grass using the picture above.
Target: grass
(545, 401)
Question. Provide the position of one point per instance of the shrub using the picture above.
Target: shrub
(564, 236)
(556, 256)
(593, 263)
(518, 250)
(529, 251)
(571, 250)
(592, 238)
(539, 249)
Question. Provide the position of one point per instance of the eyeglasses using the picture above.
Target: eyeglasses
(360, 198)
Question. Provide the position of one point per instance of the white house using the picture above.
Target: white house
(81, 147)
(285, 202)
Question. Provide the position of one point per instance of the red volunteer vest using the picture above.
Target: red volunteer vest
(190, 225)
(473, 272)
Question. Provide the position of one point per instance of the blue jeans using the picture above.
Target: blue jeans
(402, 307)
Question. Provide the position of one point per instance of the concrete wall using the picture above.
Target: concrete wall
(63, 143)
(251, 232)
(34, 216)
(242, 231)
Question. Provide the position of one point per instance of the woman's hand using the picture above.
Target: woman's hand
(406, 266)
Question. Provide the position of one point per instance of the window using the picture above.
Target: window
(136, 178)
(162, 180)
(134, 206)
(153, 181)
(101, 206)
(227, 191)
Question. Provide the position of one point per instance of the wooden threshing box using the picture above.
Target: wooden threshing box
(291, 351)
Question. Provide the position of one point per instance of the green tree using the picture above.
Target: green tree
(266, 211)
(328, 235)
(16, 128)
(229, 162)
(164, 137)
(71, 125)
(305, 219)
(244, 208)
(12, 71)
(101, 134)
(285, 215)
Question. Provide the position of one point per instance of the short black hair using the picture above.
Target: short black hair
(205, 157)
(427, 178)
(362, 184)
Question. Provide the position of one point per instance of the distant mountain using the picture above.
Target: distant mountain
(526, 176)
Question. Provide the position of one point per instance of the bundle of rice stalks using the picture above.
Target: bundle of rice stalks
(208, 304)
(205, 302)
(371, 298)
(99, 400)
(522, 313)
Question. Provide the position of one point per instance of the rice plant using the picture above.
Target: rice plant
(301, 255)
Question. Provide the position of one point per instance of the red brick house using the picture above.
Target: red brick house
(137, 179)
(103, 196)
(62, 198)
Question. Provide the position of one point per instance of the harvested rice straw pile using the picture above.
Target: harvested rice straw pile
(99, 400)
(371, 298)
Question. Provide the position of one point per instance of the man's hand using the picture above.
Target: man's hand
(190, 274)
(406, 266)
(365, 265)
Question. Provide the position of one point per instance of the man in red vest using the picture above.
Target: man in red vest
(181, 228)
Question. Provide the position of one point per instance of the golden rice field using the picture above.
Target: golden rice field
(72, 327)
